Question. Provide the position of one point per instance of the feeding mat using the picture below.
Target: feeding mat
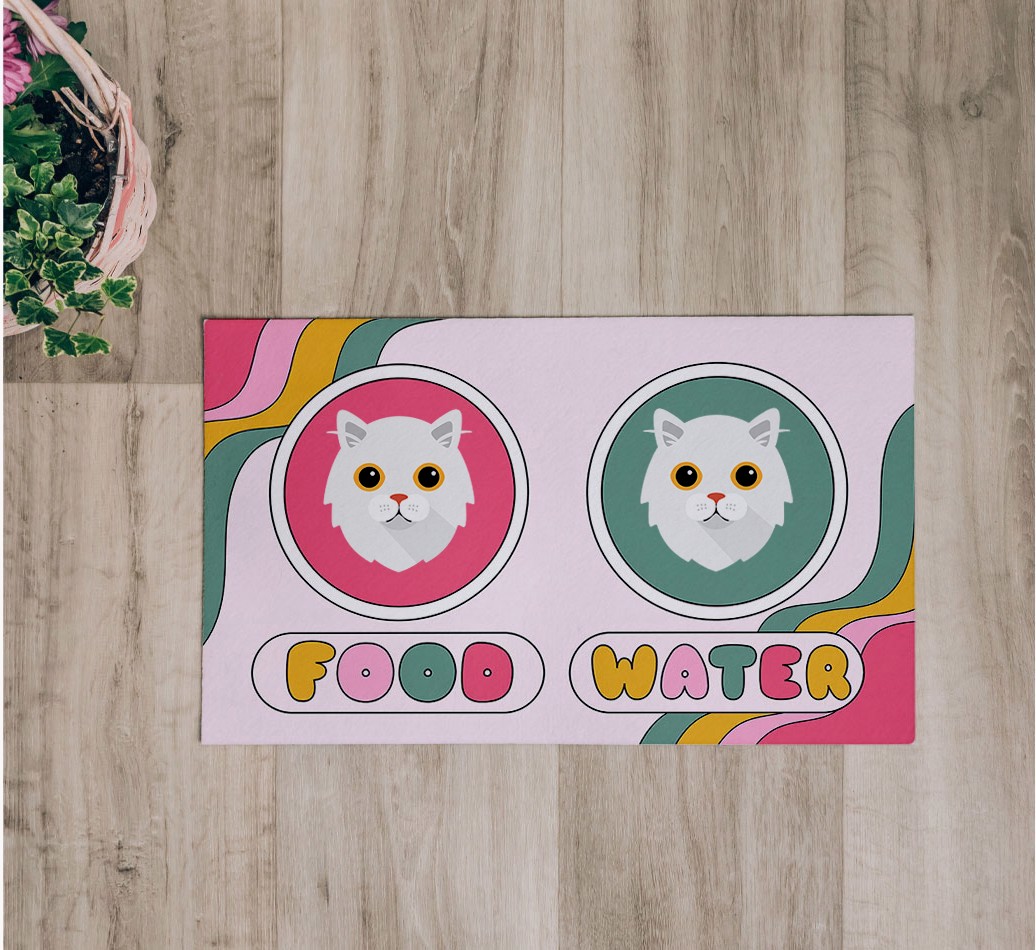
(627, 530)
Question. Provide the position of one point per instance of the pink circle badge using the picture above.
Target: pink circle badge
(399, 492)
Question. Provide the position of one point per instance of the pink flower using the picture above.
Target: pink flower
(16, 69)
(35, 47)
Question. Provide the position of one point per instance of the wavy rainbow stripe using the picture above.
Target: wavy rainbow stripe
(269, 365)
(878, 615)
(288, 362)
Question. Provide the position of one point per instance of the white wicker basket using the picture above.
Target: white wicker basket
(107, 113)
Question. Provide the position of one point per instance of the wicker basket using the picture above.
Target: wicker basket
(107, 114)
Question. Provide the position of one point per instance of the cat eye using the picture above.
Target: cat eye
(685, 476)
(746, 476)
(368, 476)
(429, 477)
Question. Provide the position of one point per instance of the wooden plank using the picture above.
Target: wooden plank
(938, 836)
(704, 157)
(704, 172)
(121, 829)
(414, 846)
(696, 847)
(422, 159)
(421, 175)
(204, 79)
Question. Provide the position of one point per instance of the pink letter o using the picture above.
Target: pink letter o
(365, 672)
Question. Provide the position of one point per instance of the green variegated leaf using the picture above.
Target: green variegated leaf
(31, 310)
(67, 188)
(47, 202)
(64, 241)
(16, 253)
(14, 185)
(42, 175)
(119, 290)
(86, 343)
(27, 225)
(15, 282)
(78, 219)
(38, 210)
(73, 254)
(63, 276)
(56, 342)
(91, 301)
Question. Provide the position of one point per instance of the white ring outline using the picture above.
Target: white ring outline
(595, 499)
(408, 611)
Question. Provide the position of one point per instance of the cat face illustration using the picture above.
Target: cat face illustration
(716, 486)
(399, 487)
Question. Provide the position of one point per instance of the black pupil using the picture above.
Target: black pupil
(686, 476)
(429, 477)
(369, 476)
(746, 476)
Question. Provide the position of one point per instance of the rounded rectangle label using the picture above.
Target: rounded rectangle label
(397, 673)
(716, 672)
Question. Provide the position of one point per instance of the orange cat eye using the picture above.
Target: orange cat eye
(686, 476)
(429, 477)
(368, 476)
(746, 475)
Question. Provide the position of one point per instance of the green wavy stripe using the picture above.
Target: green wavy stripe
(668, 729)
(891, 556)
(361, 349)
(895, 533)
(222, 466)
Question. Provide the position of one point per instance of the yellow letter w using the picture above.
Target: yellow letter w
(612, 675)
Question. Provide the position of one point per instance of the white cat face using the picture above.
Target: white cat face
(399, 487)
(716, 486)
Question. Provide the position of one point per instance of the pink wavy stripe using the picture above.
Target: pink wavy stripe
(269, 372)
(884, 710)
(229, 350)
(859, 634)
(751, 732)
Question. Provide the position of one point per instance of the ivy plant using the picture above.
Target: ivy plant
(48, 230)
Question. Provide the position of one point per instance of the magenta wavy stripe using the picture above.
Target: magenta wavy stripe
(859, 633)
(270, 367)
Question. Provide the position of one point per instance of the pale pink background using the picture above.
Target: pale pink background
(557, 381)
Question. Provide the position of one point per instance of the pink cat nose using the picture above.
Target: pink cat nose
(398, 499)
(716, 496)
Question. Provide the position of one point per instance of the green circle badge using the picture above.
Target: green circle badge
(717, 491)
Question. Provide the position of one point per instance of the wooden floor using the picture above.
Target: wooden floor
(490, 157)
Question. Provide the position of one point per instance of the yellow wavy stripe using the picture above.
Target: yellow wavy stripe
(713, 728)
(899, 600)
(312, 368)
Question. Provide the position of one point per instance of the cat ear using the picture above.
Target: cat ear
(352, 430)
(667, 428)
(765, 427)
(446, 429)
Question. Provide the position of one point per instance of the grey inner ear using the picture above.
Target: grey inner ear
(762, 432)
(354, 434)
(671, 432)
(443, 434)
